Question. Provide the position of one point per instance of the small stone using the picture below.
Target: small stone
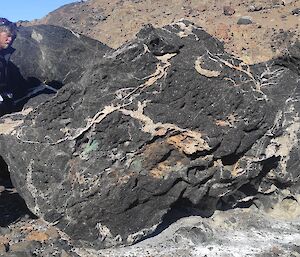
(199, 234)
(26, 217)
(100, 17)
(296, 11)
(2, 189)
(245, 20)
(64, 254)
(254, 8)
(228, 10)
(277, 3)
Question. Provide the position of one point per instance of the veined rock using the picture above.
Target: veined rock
(167, 120)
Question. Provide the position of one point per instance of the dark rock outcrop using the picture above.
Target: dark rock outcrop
(168, 119)
(50, 55)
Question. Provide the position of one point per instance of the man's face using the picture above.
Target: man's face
(5, 39)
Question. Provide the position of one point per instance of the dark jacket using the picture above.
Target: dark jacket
(6, 89)
(4, 71)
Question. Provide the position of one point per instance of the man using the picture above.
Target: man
(7, 35)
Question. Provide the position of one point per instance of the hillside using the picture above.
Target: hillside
(274, 23)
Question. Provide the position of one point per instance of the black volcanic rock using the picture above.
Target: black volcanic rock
(168, 119)
(291, 59)
(51, 55)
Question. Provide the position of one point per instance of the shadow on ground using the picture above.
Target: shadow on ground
(12, 206)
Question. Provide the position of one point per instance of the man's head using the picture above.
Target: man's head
(7, 33)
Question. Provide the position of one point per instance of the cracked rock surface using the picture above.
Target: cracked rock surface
(167, 120)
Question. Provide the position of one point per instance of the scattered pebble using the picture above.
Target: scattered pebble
(245, 20)
(228, 10)
(296, 11)
(253, 8)
(277, 3)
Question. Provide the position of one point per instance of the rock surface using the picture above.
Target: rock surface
(245, 20)
(167, 120)
(51, 55)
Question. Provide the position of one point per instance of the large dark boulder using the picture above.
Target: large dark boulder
(50, 55)
(167, 120)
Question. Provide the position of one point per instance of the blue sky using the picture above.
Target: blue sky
(15, 10)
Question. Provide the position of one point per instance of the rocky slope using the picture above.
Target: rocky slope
(273, 24)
